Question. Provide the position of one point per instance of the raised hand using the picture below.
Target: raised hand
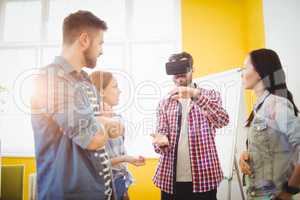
(160, 140)
(136, 161)
(184, 92)
(245, 168)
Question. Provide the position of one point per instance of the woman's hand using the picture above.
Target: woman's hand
(245, 168)
(285, 196)
(136, 161)
(126, 196)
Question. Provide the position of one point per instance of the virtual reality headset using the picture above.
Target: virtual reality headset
(178, 67)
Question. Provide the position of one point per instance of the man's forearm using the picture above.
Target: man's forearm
(113, 127)
(212, 106)
(98, 141)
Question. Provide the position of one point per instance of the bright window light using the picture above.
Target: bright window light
(141, 36)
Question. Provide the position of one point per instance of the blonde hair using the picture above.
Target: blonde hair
(101, 79)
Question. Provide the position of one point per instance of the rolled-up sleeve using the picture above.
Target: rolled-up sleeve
(211, 103)
(76, 116)
(288, 123)
(161, 127)
(66, 104)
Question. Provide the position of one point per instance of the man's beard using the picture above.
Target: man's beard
(182, 80)
(89, 60)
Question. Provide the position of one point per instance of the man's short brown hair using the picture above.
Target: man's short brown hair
(183, 55)
(80, 21)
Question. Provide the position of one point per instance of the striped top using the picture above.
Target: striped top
(101, 153)
(115, 148)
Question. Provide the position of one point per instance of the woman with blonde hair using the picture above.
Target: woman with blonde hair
(109, 91)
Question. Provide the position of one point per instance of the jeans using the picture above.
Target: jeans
(121, 186)
(184, 191)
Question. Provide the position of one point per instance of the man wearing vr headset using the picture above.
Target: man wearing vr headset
(187, 119)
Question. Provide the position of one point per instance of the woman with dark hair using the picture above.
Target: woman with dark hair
(271, 163)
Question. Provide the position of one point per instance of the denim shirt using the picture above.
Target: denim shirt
(64, 124)
(279, 114)
(273, 145)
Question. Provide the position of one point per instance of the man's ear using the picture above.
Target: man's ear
(84, 40)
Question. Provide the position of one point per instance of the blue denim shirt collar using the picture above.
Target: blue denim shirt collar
(261, 99)
(68, 68)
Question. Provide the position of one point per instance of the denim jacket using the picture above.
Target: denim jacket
(273, 145)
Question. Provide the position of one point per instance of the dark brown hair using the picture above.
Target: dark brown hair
(101, 79)
(267, 64)
(80, 21)
(179, 56)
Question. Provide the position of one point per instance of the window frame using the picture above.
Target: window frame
(127, 43)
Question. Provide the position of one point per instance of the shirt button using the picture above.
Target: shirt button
(100, 173)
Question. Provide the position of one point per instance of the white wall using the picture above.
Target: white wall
(282, 29)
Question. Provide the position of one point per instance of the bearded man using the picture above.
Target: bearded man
(69, 135)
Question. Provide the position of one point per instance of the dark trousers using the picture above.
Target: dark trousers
(184, 191)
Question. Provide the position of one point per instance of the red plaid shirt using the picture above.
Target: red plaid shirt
(205, 116)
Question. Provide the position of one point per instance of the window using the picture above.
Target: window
(22, 21)
(141, 36)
